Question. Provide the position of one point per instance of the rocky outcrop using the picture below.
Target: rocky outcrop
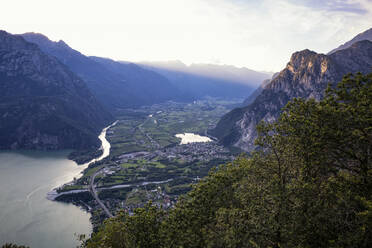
(306, 76)
(43, 105)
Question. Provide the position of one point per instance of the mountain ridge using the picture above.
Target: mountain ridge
(43, 104)
(306, 75)
(366, 35)
(114, 90)
(202, 80)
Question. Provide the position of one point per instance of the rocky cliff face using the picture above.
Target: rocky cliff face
(306, 75)
(43, 105)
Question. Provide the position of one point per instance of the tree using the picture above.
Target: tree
(332, 142)
(142, 229)
(10, 245)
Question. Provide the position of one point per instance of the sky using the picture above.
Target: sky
(257, 34)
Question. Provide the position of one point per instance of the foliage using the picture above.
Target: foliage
(7, 245)
(141, 229)
(309, 185)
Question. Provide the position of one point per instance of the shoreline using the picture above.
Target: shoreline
(52, 195)
(105, 148)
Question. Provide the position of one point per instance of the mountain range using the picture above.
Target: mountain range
(306, 76)
(125, 84)
(200, 80)
(115, 84)
(54, 97)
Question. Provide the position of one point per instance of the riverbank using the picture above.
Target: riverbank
(54, 195)
(104, 152)
(147, 162)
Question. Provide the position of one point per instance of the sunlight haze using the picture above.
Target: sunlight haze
(260, 35)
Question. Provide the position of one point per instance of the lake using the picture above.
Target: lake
(192, 138)
(26, 216)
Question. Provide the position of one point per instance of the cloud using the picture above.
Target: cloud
(273, 29)
(257, 34)
(350, 6)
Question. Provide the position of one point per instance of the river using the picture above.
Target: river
(27, 217)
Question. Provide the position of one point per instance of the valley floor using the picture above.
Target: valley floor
(147, 161)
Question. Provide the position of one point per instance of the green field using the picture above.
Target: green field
(153, 127)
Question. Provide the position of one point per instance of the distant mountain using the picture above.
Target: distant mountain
(147, 86)
(200, 80)
(306, 75)
(115, 84)
(43, 105)
(366, 35)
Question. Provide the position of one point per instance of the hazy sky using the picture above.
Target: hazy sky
(260, 35)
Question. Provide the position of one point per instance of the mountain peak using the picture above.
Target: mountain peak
(38, 38)
(13, 42)
(3, 32)
(36, 89)
(61, 43)
(306, 60)
(34, 34)
(301, 55)
(307, 75)
(31, 37)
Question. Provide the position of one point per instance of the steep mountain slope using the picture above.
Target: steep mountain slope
(306, 76)
(201, 80)
(43, 105)
(115, 84)
(366, 35)
(258, 91)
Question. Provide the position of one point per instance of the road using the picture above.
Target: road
(153, 142)
(93, 191)
(53, 195)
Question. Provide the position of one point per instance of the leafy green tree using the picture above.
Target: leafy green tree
(332, 140)
(190, 223)
(142, 229)
(9, 245)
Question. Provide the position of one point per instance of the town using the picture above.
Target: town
(148, 162)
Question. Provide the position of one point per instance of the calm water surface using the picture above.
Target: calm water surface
(26, 216)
